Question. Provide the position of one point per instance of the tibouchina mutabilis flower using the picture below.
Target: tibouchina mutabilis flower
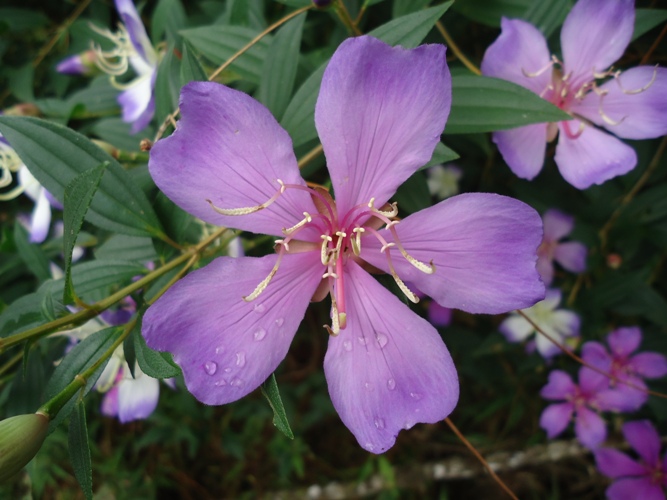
(631, 104)
(379, 115)
(569, 254)
(645, 478)
(624, 365)
(582, 402)
(132, 48)
(559, 324)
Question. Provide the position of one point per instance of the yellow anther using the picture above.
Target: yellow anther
(265, 282)
(307, 218)
(249, 210)
(324, 253)
(356, 241)
(404, 288)
(386, 246)
(637, 91)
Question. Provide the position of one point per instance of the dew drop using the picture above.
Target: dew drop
(240, 359)
(416, 396)
(362, 340)
(259, 308)
(369, 446)
(368, 386)
(379, 423)
(236, 382)
(220, 382)
(391, 384)
(228, 370)
(259, 334)
(347, 345)
(211, 367)
(280, 321)
(382, 340)
(219, 349)
(409, 425)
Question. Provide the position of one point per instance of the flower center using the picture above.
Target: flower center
(340, 239)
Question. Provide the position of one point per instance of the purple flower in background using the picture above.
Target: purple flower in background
(379, 114)
(79, 64)
(623, 364)
(583, 402)
(132, 47)
(560, 324)
(631, 105)
(570, 254)
(439, 315)
(644, 479)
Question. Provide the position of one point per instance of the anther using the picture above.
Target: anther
(539, 71)
(324, 253)
(386, 246)
(356, 241)
(604, 116)
(307, 218)
(423, 267)
(637, 91)
(265, 282)
(249, 210)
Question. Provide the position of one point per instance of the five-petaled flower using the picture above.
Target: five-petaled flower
(569, 254)
(379, 115)
(631, 105)
(644, 479)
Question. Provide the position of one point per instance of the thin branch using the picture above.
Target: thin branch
(455, 48)
(310, 155)
(650, 51)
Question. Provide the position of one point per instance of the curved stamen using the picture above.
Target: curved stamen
(541, 70)
(249, 210)
(636, 91)
(324, 252)
(424, 268)
(307, 219)
(603, 115)
(356, 241)
(393, 213)
(123, 50)
(313, 192)
(265, 282)
(569, 133)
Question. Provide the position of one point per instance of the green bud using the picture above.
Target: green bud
(21, 437)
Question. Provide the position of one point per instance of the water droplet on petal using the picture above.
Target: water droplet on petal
(409, 425)
(280, 321)
(240, 358)
(219, 349)
(259, 308)
(368, 386)
(236, 382)
(259, 334)
(228, 370)
(391, 384)
(379, 423)
(220, 382)
(382, 340)
(362, 340)
(416, 396)
(211, 367)
(369, 446)
(347, 345)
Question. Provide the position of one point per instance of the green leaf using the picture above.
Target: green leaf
(280, 65)
(413, 195)
(31, 254)
(153, 363)
(547, 15)
(191, 70)
(167, 85)
(407, 31)
(130, 248)
(442, 154)
(117, 133)
(484, 104)
(79, 359)
(79, 449)
(647, 19)
(402, 7)
(219, 43)
(55, 155)
(78, 196)
(270, 391)
(92, 279)
(489, 12)
(168, 18)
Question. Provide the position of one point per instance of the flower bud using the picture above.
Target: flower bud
(20, 439)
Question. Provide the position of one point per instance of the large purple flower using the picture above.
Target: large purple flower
(623, 364)
(644, 479)
(379, 115)
(631, 105)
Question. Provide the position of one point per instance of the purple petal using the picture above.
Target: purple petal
(516, 328)
(594, 36)
(624, 341)
(229, 149)
(648, 364)
(630, 114)
(135, 28)
(72, 65)
(438, 315)
(226, 346)
(590, 428)
(560, 386)
(483, 247)
(40, 220)
(380, 113)
(109, 407)
(631, 489)
(519, 50)
(137, 397)
(612, 463)
(523, 148)
(623, 398)
(137, 103)
(572, 256)
(555, 418)
(545, 268)
(594, 353)
(557, 225)
(592, 158)
(388, 369)
(645, 440)
(591, 382)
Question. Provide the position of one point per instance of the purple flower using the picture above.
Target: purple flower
(571, 254)
(583, 402)
(559, 324)
(623, 365)
(439, 315)
(631, 105)
(643, 479)
(131, 398)
(79, 64)
(132, 47)
(379, 114)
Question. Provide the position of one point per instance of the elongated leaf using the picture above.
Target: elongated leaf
(402, 7)
(483, 104)
(547, 15)
(153, 363)
(55, 155)
(31, 254)
(191, 70)
(130, 248)
(413, 194)
(279, 69)
(647, 19)
(442, 154)
(79, 359)
(489, 12)
(78, 195)
(270, 391)
(168, 17)
(407, 31)
(79, 449)
(219, 43)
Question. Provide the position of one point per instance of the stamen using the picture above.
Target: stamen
(424, 268)
(637, 91)
(115, 61)
(541, 70)
(356, 241)
(569, 133)
(306, 220)
(249, 210)
(389, 215)
(265, 282)
(604, 116)
(335, 319)
(406, 291)
(324, 253)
